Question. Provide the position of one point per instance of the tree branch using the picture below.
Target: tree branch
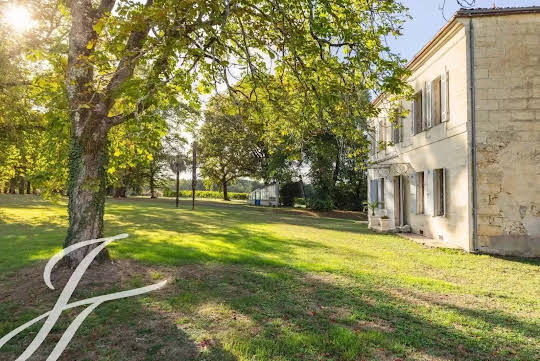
(127, 64)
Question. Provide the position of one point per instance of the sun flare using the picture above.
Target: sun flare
(18, 18)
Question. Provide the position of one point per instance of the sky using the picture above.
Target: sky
(428, 19)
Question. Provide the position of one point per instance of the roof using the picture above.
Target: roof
(497, 11)
(461, 13)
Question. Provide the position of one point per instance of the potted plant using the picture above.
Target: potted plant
(372, 206)
(372, 220)
(384, 222)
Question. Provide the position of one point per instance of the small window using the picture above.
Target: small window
(417, 113)
(439, 187)
(420, 192)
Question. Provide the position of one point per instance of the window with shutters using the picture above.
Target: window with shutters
(417, 113)
(420, 192)
(439, 190)
(436, 115)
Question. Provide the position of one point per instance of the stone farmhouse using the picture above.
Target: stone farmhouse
(461, 163)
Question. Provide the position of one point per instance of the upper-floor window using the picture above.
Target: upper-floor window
(430, 106)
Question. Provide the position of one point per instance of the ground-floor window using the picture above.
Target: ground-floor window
(439, 191)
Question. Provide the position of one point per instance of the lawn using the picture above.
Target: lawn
(251, 283)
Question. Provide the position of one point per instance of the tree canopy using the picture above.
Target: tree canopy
(101, 68)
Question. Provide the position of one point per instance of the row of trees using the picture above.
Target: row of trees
(276, 130)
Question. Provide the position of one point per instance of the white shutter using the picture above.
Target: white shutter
(381, 193)
(373, 190)
(424, 110)
(412, 191)
(377, 130)
(447, 100)
(401, 200)
(444, 108)
(444, 191)
(428, 193)
(429, 105)
(400, 130)
(413, 115)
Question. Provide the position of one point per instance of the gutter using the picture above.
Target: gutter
(473, 242)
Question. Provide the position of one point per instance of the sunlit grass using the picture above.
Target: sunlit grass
(275, 285)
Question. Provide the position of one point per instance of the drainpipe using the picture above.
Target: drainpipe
(473, 242)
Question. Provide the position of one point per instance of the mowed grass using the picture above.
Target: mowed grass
(251, 283)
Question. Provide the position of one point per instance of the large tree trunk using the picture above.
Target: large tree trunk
(177, 185)
(28, 188)
(194, 175)
(152, 182)
(302, 189)
(90, 123)
(225, 193)
(337, 167)
(87, 192)
(21, 186)
(88, 156)
(12, 183)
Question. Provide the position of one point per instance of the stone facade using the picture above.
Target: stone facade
(484, 141)
(507, 97)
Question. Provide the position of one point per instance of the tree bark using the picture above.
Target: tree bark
(225, 193)
(21, 186)
(152, 182)
(302, 189)
(194, 175)
(28, 188)
(12, 183)
(87, 193)
(177, 185)
(337, 167)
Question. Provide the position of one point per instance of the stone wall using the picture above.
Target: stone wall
(507, 114)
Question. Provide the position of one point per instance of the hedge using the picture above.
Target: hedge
(205, 194)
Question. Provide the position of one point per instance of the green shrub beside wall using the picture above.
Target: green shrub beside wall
(205, 194)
